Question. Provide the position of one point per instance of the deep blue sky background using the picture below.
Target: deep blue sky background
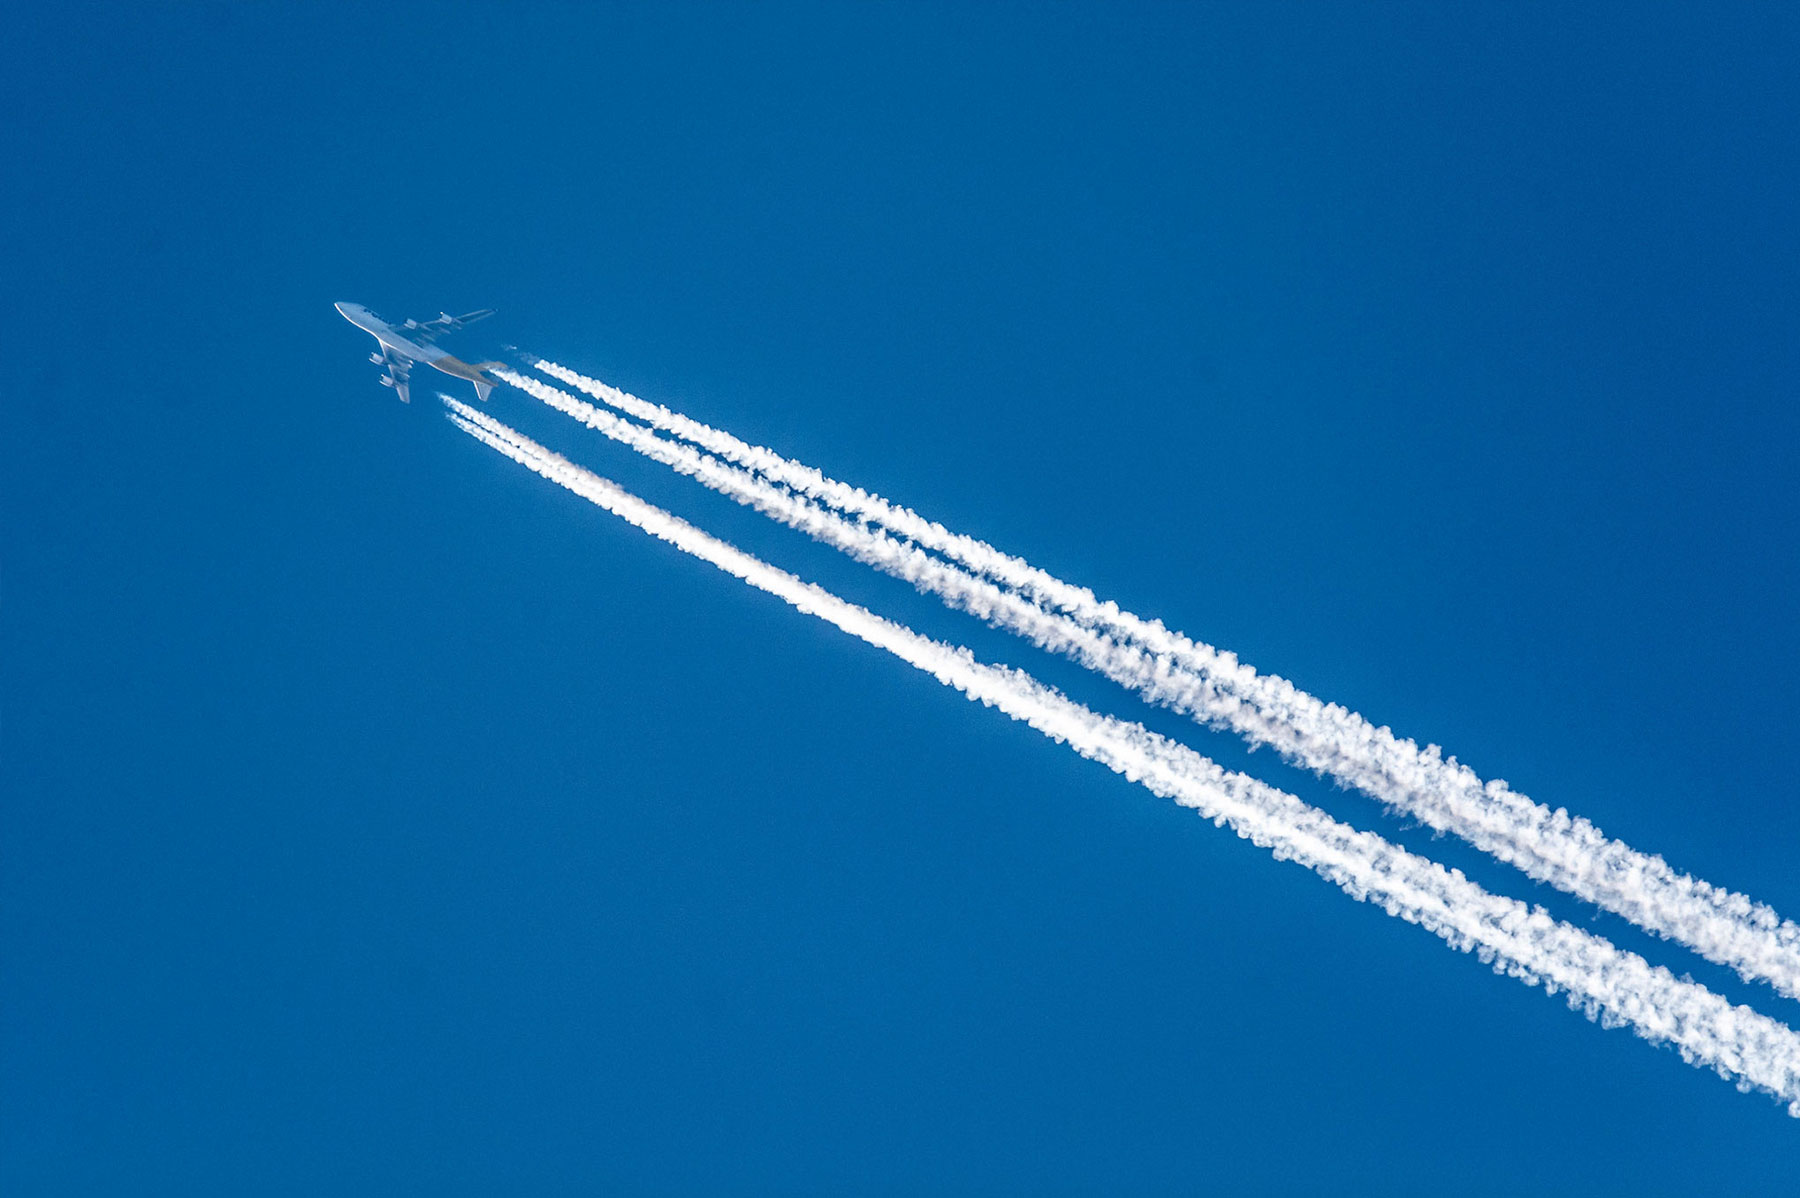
(374, 816)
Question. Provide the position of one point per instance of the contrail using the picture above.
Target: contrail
(1214, 688)
(1609, 984)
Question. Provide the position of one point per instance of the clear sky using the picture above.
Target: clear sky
(375, 816)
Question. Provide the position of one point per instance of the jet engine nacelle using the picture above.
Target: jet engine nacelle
(386, 381)
(377, 359)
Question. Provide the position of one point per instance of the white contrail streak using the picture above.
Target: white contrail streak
(1609, 984)
(1213, 687)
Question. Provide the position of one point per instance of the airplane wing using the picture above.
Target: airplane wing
(399, 370)
(426, 331)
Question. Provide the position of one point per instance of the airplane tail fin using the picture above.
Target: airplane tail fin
(483, 388)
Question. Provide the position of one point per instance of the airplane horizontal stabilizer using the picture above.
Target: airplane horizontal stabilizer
(483, 388)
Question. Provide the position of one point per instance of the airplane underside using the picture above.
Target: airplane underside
(401, 349)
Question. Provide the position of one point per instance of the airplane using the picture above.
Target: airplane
(411, 341)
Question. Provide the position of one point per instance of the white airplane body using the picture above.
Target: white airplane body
(412, 342)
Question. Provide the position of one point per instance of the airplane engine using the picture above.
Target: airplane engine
(377, 359)
(386, 381)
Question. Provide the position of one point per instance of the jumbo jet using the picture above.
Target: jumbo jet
(402, 345)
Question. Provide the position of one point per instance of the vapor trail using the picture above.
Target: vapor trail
(1609, 984)
(1214, 688)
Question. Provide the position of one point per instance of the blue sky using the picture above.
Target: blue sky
(375, 815)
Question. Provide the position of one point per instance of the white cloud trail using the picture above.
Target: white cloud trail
(1216, 689)
(1614, 986)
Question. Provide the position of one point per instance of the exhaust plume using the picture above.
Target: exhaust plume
(1608, 984)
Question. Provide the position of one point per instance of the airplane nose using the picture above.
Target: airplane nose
(343, 310)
